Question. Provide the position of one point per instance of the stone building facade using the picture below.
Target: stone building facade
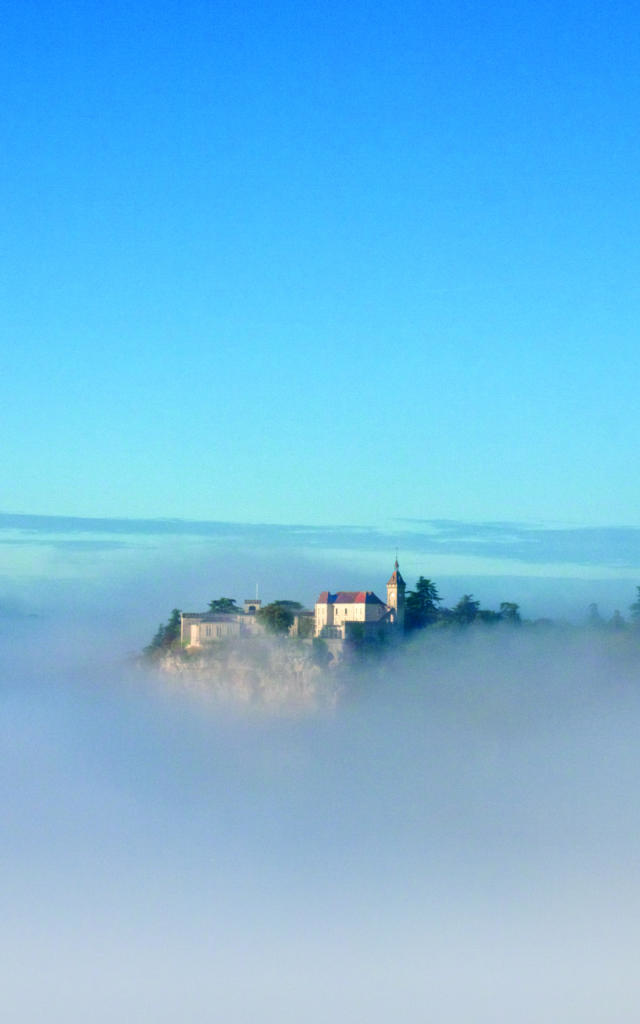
(360, 614)
(199, 629)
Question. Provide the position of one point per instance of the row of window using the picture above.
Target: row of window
(213, 630)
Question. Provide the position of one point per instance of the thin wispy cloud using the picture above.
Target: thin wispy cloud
(613, 547)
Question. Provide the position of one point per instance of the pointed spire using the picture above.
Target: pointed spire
(396, 576)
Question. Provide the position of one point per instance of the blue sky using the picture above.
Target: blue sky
(326, 263)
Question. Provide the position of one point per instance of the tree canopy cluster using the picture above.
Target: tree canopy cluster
(423, 607)
(617, 622)
(277, 617)
(225, 606)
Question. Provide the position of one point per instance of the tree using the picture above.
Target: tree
(166, 635)
(466, 610)
(616, 621)
(635, 609)
(594, 618)
(277, 617)
(421, 605)
(510, 612)
(224, 606)
(488, 616)
(172, 629)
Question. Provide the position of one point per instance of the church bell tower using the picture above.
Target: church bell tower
(395, 594)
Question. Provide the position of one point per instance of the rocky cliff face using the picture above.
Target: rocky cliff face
(264, 673)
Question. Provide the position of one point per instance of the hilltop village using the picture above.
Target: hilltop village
(349, 619)
(338, 619)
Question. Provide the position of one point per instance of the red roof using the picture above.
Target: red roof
(349, 597)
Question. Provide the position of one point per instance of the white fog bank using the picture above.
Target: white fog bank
(455, 839)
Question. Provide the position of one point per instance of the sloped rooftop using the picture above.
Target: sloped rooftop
(349, 597)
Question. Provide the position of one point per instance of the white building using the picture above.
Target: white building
(351, 614)
(198, 629)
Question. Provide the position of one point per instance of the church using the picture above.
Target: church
(360, 614)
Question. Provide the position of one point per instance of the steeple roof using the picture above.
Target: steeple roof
(396, 576)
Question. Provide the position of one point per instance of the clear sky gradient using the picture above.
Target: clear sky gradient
(321, 263)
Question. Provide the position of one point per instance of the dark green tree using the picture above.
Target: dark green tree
(510, 612)
(421, 605)
(466, 610)
(224, 606)
(277, 617)
(172, 629)
(166, 636)
(488, 616)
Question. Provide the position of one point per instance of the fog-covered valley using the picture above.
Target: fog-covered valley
(451, 835)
